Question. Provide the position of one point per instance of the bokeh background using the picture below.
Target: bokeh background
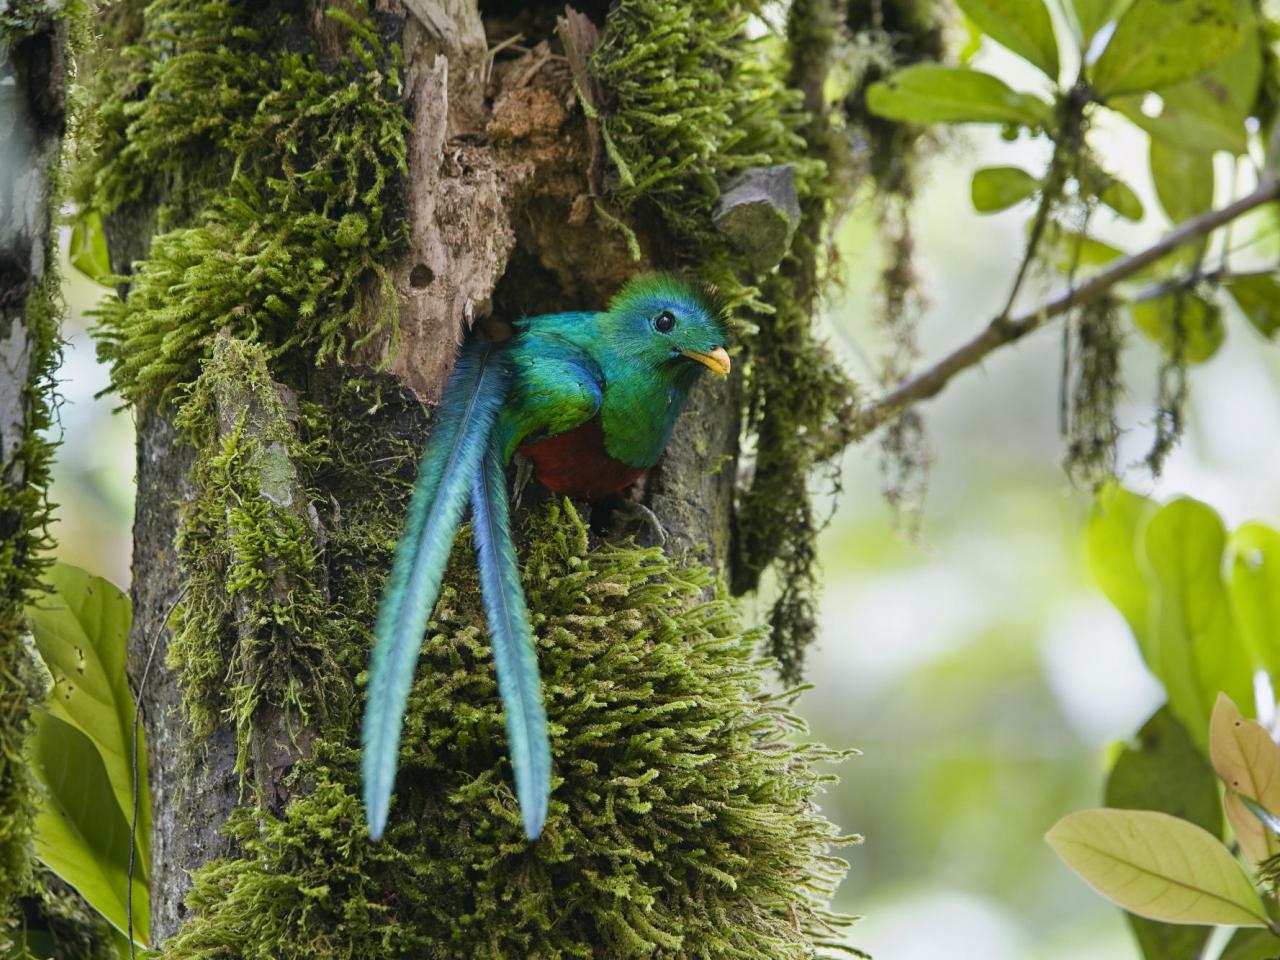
(966, 655)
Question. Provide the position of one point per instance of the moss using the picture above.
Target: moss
(694, 101)
(289, 172)
(683, 818)
(258, 627)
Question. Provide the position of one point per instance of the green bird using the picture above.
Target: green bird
(590, 399)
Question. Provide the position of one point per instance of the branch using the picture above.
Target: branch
(1004, 329)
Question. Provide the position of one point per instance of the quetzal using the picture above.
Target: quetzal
(590, 399)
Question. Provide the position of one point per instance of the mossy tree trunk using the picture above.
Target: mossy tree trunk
(33, 79)
(308, 208)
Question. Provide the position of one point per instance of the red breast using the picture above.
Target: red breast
(575, 463)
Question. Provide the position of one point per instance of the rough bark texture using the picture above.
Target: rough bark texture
(32, 116)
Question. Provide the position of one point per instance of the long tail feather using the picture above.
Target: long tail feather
(455, 449)
(512, 638)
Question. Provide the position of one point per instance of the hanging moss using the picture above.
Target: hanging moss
(693, 101)
(289, 171)
(1092, 430)
(682, 816)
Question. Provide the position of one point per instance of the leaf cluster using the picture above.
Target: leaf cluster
(1202, 605)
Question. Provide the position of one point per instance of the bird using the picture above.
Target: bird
(589, 399)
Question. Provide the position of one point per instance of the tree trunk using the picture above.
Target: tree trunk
(32, 114)
(279, 335)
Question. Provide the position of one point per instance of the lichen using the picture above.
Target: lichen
(694, 101)
(287, 171)
(683, 818)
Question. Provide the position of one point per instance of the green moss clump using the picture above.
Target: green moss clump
(258, 627)
(683, 818)
(693, 102)
(288, 170)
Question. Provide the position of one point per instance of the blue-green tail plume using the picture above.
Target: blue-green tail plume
(513, 653)
(464, 420)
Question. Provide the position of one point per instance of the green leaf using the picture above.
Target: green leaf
(1208, 112)
(1157, 866)
(1258, 297)
(1165, 771)
(1251, 944)
(1186, 128)
(1162, 42)
(1070, 250)
(1110, 190)
(1183, 180)
(1119, 196)
(88, 252)
(1089, 16)
(80, 833)
(1112, 545)
(1254, 586)
(998, 188)
(1248, 761)
(81, 630)
(1200, 321)
(1196, 651)
(1021, 25)
(972, 43)
(929, 93)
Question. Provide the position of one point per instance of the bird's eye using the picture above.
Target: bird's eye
(664, 322)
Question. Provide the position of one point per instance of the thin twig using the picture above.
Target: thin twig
(1003, 330)
(137, 713)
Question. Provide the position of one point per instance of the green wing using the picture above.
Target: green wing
(556, 387)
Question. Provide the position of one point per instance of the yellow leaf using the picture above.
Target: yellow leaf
(1157, 866)
(1248, 761)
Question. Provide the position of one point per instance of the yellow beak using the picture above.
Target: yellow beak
(717, 360)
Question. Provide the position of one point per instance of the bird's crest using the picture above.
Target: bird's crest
(672, 286)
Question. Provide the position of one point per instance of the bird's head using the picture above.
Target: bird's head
(671, 324)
